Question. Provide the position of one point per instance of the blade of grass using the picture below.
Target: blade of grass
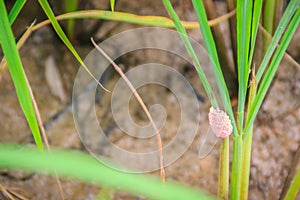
(294, 188)
(112, 5)
(287, 15)
(47, 9)
(255, 22)
(223, 55)
(16, 71)
(86, 168)
(244, 16)
(14, 12)
(267, 79)
(183, 35)
(212, 52)
(21, 41)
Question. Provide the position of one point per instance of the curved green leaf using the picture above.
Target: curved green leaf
(47, 9)
(14, 12)
(15, 67)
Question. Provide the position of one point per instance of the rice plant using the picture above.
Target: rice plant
(253, 84)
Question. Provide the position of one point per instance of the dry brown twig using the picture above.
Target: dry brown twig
(10, 193)
(44, 135)
(141, 102)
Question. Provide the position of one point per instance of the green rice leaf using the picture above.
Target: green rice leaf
(112, 5)
(287, 15)
(13, 59)
(47, 9)
(255, 21)
(183, 35)
(244, 16)
(14, 12)
(294, 188)
(212, 52)
(266, 81)
(84, 167)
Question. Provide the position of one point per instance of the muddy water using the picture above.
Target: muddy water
(275, 139)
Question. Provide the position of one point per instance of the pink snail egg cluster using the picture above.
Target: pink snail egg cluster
(219, 123)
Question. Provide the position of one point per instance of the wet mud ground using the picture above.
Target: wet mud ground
(52, 69)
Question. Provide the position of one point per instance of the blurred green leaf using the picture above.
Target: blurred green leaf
(255, 21)
(82, 166)
(244, 16)
(13, 59)
(212, 52)
(112, 5)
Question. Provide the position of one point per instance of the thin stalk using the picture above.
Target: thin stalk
(268, 21)
(254, 27)
(236, 176)
(223, 182)
(141, 102)
(43, 132)
(136, 19)
(244, 16)
(16, 9)
(248, 145)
